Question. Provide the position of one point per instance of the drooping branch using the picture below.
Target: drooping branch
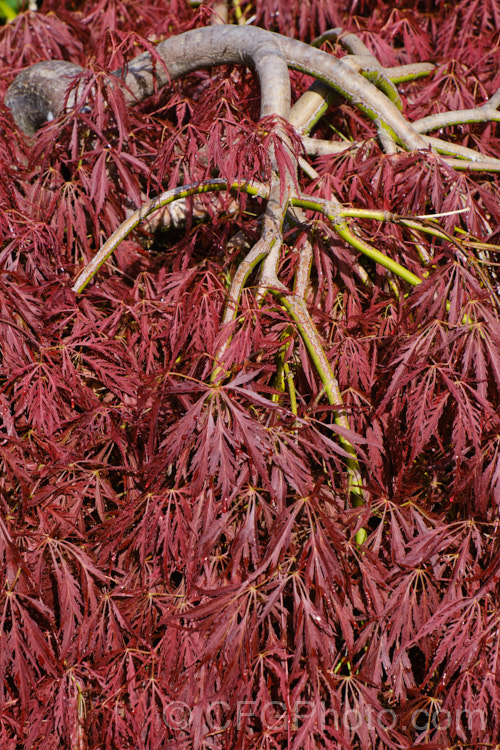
(37, 94)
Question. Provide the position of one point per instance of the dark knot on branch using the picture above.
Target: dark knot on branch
(40, 93)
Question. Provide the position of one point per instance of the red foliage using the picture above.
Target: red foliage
(177, 557)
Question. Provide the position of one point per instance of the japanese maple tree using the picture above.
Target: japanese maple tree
(250, 375)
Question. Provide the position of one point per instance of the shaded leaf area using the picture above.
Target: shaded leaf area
(178, 556)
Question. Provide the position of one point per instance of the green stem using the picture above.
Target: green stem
(300, 314)
(208, 186)
(284, 376)
(341, 227)
(256, 254)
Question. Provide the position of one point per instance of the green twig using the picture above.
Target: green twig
(90, 270)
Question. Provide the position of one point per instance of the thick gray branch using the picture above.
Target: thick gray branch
(37, 94)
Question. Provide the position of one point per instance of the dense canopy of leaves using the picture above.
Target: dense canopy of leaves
(179, 564)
